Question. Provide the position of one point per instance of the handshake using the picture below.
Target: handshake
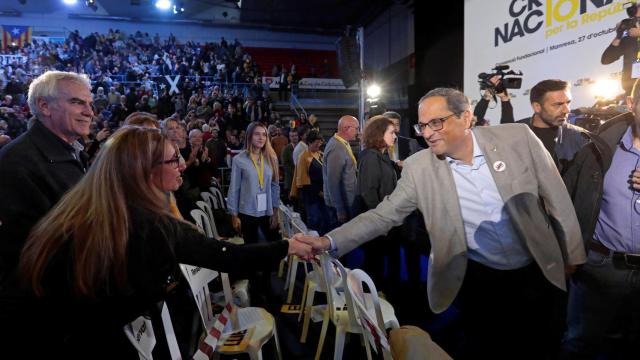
(307, 246)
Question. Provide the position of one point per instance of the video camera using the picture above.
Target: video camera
(514, 81)
(632, 21)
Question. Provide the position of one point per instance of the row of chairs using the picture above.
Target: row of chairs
(248, 328)
(348, 307)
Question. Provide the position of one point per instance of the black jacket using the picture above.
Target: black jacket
(570, 140)
(506, 110)
(627, 49)
(35, 171)
(75, 327)
(585, 177)
(376, 179)
(407, 147)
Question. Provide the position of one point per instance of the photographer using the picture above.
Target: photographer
(625, 45)
(491, 92)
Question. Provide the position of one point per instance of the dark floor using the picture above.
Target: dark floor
(410, 304)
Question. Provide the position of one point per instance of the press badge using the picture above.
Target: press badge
(635, 70)
(262, 201)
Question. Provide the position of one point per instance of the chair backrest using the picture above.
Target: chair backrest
(218, 195)
(284, 220)
(212, 221)
(202, 221)
(199, 279)
(334, 276)
(298, 226)
(210, 199)
(368, 310)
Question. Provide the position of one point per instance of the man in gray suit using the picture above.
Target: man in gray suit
(339, 171)
(504, 233)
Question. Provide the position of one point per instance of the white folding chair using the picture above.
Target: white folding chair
(203, 221)
(141, 335)
(260, 326)
(340, 308)
(220, 198)
(211, 200)
(285, 219)
(368, 312)
(204, 206)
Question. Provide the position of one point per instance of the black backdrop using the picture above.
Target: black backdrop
(439, 48)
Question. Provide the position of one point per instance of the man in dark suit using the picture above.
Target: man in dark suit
(404, 146)
(37, 169)
(496, 249)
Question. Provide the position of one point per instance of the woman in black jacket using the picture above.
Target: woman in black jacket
(376, 179)
(110, 249)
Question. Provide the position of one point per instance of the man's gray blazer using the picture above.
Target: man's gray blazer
(339, 177)
(535, 198)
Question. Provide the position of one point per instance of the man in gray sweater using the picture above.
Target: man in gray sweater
(339, 171)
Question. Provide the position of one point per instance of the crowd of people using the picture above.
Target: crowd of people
(530, 226)
(217, 81)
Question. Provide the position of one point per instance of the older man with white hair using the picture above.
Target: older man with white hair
(37, 169)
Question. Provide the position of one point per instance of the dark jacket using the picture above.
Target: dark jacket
(81, 327)
(570, 140)
(585, 177)
(376, 179)
(407, 147)
(35, 171)
(506, 110)
(627, 49)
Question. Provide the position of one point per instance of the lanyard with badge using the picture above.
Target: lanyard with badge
(261, 196)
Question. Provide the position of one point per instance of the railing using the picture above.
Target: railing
(294, 103)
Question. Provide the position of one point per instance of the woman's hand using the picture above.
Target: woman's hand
(274, 219)
(102, 134)
(300, 249)
(235, 222)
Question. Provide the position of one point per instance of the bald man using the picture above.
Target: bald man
(339, 171)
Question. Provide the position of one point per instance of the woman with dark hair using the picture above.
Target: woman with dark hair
(308, 182)
(376, 179)
(109, 251)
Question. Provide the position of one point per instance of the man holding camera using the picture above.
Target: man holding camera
(496, 88)
(550, 101)
(626, 45)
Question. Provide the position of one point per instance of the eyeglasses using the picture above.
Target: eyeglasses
(174, 161)
(435, 124)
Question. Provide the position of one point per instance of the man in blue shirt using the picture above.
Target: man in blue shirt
(503, 230)
(604, 183)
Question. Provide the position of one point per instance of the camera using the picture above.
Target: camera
(632, 21)
(509, 79)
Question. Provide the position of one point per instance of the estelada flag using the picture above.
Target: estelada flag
(15, 35)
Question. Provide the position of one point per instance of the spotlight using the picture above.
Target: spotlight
(178, 9)
(373, 91)
(163, 4)
(70, 2)
(91, 4)
(606, 89)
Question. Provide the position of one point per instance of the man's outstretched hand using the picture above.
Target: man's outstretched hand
(318, 244)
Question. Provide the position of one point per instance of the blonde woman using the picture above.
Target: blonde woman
(254, 192)
(109, 251)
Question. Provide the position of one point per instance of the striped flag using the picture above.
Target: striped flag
(15, 35)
